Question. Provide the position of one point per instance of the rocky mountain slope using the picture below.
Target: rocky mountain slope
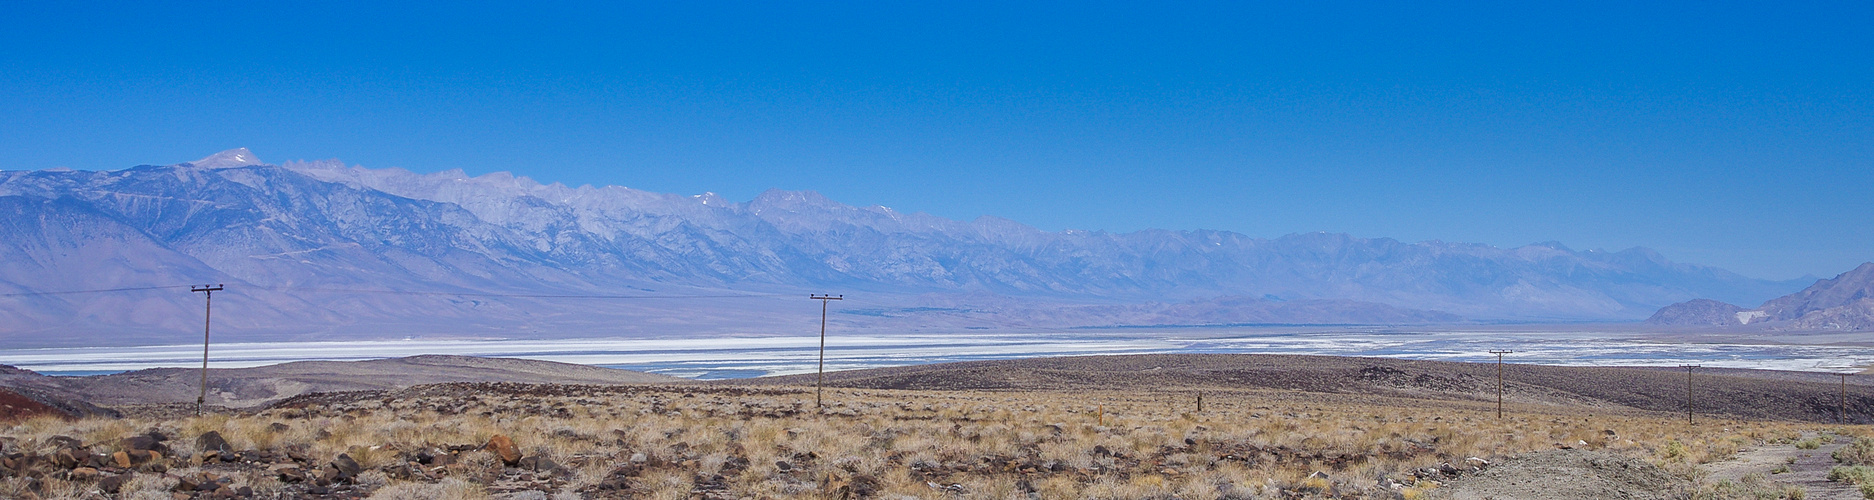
(1698, 312)
(1842, 303)
(320, 249)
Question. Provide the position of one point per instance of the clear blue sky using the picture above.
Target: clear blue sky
(1738, 135)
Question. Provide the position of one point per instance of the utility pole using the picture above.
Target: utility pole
(819, 381)
(1500, 381)
(1841, 412)
(1688, 392)
(208, 308)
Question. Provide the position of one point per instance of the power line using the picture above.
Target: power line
(103, 290)
(407, 292)
(524, 295)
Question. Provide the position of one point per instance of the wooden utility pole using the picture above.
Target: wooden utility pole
(1841, 412)
(208, 309)
(1688, 392)
(1500, 381)
(819, 381)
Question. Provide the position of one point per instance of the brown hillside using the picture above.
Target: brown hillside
(1743, 393)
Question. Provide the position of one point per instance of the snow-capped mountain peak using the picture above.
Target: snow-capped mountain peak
(230, 218)
(237, 157)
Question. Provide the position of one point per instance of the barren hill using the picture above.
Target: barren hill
(243, 387)
(1745, 393)
(1842, 303)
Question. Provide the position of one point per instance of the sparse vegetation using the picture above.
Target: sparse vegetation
(1812, 443)
(1751, 487)
(1858, 452)
(732, 442)
(1851, 474)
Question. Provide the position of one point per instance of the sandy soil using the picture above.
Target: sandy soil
(1566, 474)
(1810, 470)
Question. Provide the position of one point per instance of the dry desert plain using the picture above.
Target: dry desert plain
(1078, 427)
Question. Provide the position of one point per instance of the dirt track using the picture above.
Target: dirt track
(1810, 470)
(1567, 475)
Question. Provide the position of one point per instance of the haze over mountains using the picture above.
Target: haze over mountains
(1842, 303)
(321, 250)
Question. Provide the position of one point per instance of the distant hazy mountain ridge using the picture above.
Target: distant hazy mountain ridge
(1843, 303)
(280, 234)
(1697, 312)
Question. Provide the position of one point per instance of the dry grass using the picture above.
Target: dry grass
(670, 442)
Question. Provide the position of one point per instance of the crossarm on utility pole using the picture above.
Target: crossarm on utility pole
(1500, 381)
(819, 380)
(208, 309)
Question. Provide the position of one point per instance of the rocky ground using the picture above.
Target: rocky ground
(1753, 394)
(503, 440)
(1283, 427)
(1568, 475)
(250, 387)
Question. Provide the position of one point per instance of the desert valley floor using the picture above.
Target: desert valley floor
(1067, 427)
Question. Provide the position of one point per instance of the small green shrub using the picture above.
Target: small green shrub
(1809, 444)
(1750, 487)
(1854, 474)
(1859, 452)
(1673, 450)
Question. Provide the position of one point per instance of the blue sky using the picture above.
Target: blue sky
(1737, 135)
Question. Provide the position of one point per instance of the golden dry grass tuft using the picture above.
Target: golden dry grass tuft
(717, 442)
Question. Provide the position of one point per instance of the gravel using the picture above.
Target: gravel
(1566, 474)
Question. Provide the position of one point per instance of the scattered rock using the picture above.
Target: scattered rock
(66, 458)
(538, 464)
(212, 441)
(289, 473)
(113, 484)
(84, 474)
(346, 467)
(1589, 474)
(139, 443)
(504, 447)
(64, 442)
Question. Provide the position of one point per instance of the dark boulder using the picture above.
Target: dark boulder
(212, 441)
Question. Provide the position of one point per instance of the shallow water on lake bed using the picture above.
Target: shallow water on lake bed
(739, 357)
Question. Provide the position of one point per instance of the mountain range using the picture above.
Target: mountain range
(1842, 303)
(320, 250)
